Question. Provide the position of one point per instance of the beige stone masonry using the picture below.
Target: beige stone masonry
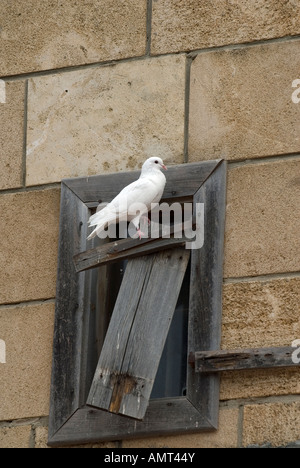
(41, 441)
(11, 134)
(276, 423)
(262, 220)
(47, 35)
(29, 240)
(192, 24)
(15, 437)
(241, 102)
(25, 378)
(258, 314)
(105, 119)
(260, 383)
(41, 437)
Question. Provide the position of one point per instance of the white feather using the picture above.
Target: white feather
(146, 190)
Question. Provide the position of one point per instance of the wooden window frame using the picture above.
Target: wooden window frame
(71, 421)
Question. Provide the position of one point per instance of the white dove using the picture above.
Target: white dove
(146, 190)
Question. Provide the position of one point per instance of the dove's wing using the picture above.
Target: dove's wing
(143, 190)
(113, 208)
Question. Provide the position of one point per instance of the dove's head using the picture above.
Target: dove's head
(153, 164)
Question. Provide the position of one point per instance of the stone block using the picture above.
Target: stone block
(11, 134)
(260, 383)
(262, 224)
(25, 377)
(259, 314)
(190, 24)
(41, 441)
(29, 241)
(41, 437)
(241, 102)
(275, 423)
(225, 437)
(105, 119)
(48, 35)
(15, 437)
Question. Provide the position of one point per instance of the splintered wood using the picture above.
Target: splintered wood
(137, 332)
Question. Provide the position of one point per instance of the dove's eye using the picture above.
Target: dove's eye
(156, 162)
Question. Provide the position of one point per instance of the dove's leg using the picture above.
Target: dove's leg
(136, 223)
(139, 233)
(144, 224)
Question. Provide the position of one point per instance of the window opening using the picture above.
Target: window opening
(171, 376)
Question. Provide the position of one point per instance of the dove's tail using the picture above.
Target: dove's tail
(98, 217)
(99, 228)
(101, 220)
(94, 234)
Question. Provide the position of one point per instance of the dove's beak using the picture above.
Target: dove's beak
(164, 167)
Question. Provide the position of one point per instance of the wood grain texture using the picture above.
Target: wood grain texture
(240, 359)
(137, 332)
(166, 416)
(127, 248)
(122, 249)
(70, 303)
(205, 313)
(99, 189)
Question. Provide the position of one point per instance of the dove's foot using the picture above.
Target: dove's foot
(139, 233)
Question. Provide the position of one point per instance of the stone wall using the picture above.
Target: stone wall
(97, 86)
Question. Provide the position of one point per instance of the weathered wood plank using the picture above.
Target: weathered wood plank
(129, 248)
(122, 249)
(137, 332)
(206, 291)
(166, 416)
(240, 359)
(97, 189)
(114, 346)
(66, 385)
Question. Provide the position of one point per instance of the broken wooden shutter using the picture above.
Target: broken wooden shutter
(77, 334)
(137, 333)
